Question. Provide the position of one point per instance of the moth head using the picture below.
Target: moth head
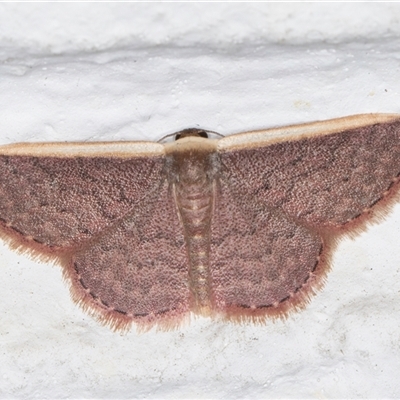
(191, 132)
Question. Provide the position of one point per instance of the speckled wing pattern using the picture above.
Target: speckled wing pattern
(103, 219)
(61, 202)
(138, 267)
(281, 206)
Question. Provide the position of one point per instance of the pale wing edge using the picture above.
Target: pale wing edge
(84, 149)
(267, 137)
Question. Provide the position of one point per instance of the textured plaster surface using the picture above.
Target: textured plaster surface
(93, 72)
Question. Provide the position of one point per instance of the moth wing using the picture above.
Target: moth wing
(105, 211)
(282, 197)
(136, 271)
(325, 174)
(57, 196)
(259, 258)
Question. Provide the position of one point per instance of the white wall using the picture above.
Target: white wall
(140, 71)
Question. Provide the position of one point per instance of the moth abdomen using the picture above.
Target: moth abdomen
(194, 197)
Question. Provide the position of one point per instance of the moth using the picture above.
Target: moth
(241, 228)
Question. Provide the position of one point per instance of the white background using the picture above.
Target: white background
(140, 71)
